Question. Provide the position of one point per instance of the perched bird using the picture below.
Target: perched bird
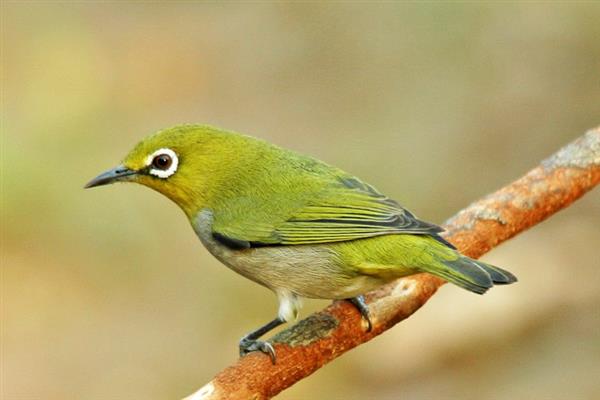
(291, 223)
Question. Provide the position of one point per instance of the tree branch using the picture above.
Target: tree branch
(307, 346)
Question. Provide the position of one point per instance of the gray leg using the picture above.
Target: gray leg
(363, 308)
(251, 343)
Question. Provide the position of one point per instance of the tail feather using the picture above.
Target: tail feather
(475, 276)
(468, 275)
(399, 255)
(499, 276)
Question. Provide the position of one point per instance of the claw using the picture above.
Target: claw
(363, 308)
(250, 342)
(249, 345)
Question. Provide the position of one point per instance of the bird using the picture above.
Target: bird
(292, 223)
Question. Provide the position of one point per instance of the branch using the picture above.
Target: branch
(307, 346)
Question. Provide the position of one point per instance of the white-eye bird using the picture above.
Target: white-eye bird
(291, 223)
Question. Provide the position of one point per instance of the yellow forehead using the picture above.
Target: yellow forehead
(179, 139)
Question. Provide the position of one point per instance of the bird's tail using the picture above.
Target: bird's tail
(396, 256)
(475, 276)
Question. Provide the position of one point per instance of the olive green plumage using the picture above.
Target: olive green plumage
(290, 222)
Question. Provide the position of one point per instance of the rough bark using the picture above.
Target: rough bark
(305, 347)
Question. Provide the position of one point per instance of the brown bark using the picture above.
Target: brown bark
(323, 336)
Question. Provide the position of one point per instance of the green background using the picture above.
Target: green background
(107, 294)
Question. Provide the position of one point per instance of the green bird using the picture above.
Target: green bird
(292, 223)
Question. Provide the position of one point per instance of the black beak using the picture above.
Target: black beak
(111, 176)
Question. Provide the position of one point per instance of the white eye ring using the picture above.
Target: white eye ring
(163, 173)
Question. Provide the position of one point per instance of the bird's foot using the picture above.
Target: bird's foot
(248, 345)
(363, 308)
(250, 342)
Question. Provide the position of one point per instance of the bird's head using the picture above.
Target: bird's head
(185, 163)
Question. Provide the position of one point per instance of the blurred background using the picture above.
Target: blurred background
(107, 294)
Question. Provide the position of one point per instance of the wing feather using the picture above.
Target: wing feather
(346, 210)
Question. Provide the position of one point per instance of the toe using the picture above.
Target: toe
(248, 346)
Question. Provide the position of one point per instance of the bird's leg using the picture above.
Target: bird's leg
(363, 308)
(251, 343)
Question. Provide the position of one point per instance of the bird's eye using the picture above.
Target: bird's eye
(162, 162)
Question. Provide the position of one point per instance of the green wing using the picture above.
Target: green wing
(343, 209)
(354, 211)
